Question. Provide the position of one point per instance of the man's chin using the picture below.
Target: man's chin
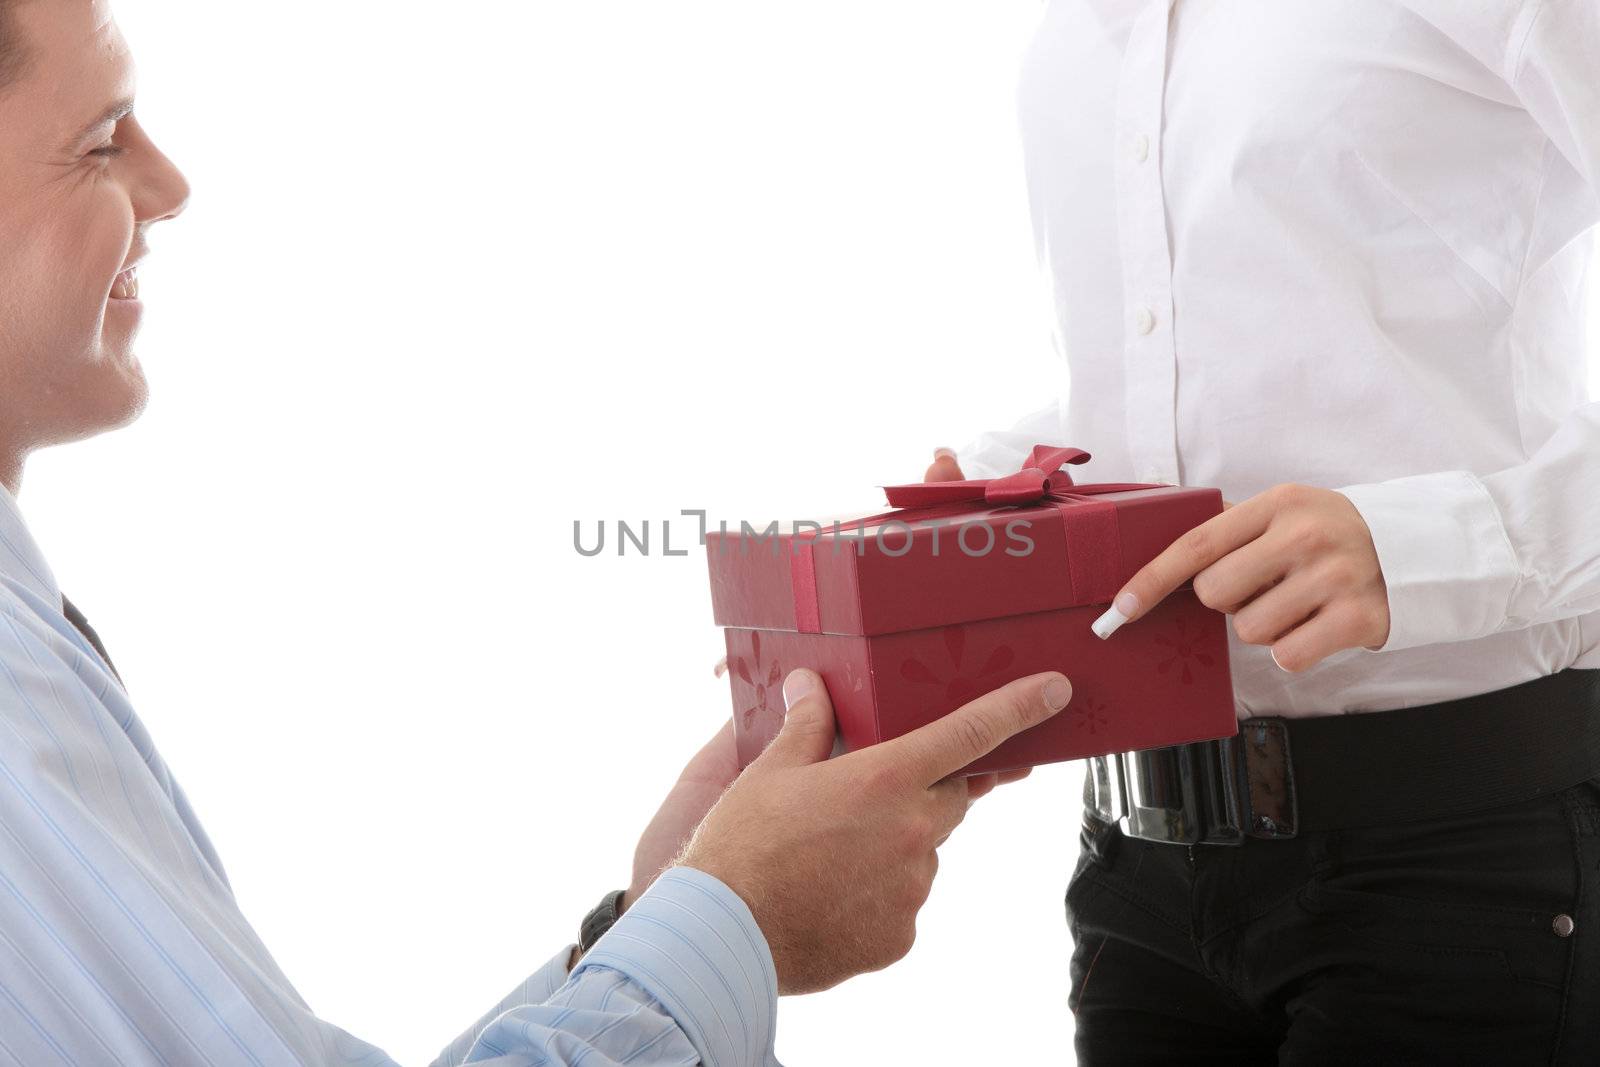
(124, 406)
(106, 405)
(130, 411)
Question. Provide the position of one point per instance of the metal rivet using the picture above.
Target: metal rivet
(1563, 925)
(1265, 824)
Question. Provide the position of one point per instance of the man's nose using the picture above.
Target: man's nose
(164, 191)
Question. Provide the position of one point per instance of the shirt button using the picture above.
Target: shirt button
(1141, 148)
(1563, 926)
(1144, 320)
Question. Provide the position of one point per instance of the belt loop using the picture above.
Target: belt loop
(1271, 808)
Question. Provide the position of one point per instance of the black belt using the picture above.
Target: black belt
(1281, 777)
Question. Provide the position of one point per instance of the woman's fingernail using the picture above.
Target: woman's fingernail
(944, 453)
(797, 685)
(1058, 693)
(1274, 653)
(1121, 609)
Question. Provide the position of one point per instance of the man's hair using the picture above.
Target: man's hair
(14, 52)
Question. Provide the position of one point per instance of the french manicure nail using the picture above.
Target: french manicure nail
(944, 453)
(797, 685)
(1273, 652)
(1121, 609)
(1057, 693)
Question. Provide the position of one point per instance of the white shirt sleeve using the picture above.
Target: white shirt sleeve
(1465, 556)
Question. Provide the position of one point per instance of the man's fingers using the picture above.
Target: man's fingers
(716, 765)
(808, 726)
(944, 468)
(718, 743)
(983, 784)
(941, 748)
(951, 798)
(713, 755)
(1183, 559)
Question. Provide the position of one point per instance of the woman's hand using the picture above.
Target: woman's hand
(1295, 566)
(944, 467)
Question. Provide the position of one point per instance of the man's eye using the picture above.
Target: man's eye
(109, 151)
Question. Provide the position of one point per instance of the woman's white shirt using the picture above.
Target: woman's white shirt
(1341, 243)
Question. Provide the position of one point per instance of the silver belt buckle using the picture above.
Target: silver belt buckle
(1202, 793)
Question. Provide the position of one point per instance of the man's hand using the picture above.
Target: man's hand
(703, 780)
(1295, 566)
(835, 857)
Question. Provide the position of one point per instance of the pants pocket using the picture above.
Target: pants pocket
(1493, 893)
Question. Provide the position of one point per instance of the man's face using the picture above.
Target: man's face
(80, 183)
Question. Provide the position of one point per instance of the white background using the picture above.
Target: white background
(453, 277)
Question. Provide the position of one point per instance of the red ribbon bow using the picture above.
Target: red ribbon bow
(1094, 560)
(1041, 478)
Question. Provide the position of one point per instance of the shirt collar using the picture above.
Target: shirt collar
(20, 558)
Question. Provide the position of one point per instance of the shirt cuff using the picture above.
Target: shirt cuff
(543, 983)
(693, 945)
(1447, 561)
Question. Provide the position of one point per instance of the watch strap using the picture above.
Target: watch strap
(601, 919)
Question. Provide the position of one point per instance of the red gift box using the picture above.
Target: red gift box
(909, 614)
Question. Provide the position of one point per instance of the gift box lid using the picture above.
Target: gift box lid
(963, 551)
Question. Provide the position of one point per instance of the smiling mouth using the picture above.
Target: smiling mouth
(126, 285)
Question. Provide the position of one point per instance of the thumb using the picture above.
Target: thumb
(944, 467)
(808, 726)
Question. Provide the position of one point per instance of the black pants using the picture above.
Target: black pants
(1464, 940)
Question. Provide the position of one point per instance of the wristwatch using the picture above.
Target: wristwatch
(598, 921)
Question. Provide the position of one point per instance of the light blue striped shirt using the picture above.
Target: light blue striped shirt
(121, 941)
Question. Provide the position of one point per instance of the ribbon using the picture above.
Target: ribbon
(1094, 552)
